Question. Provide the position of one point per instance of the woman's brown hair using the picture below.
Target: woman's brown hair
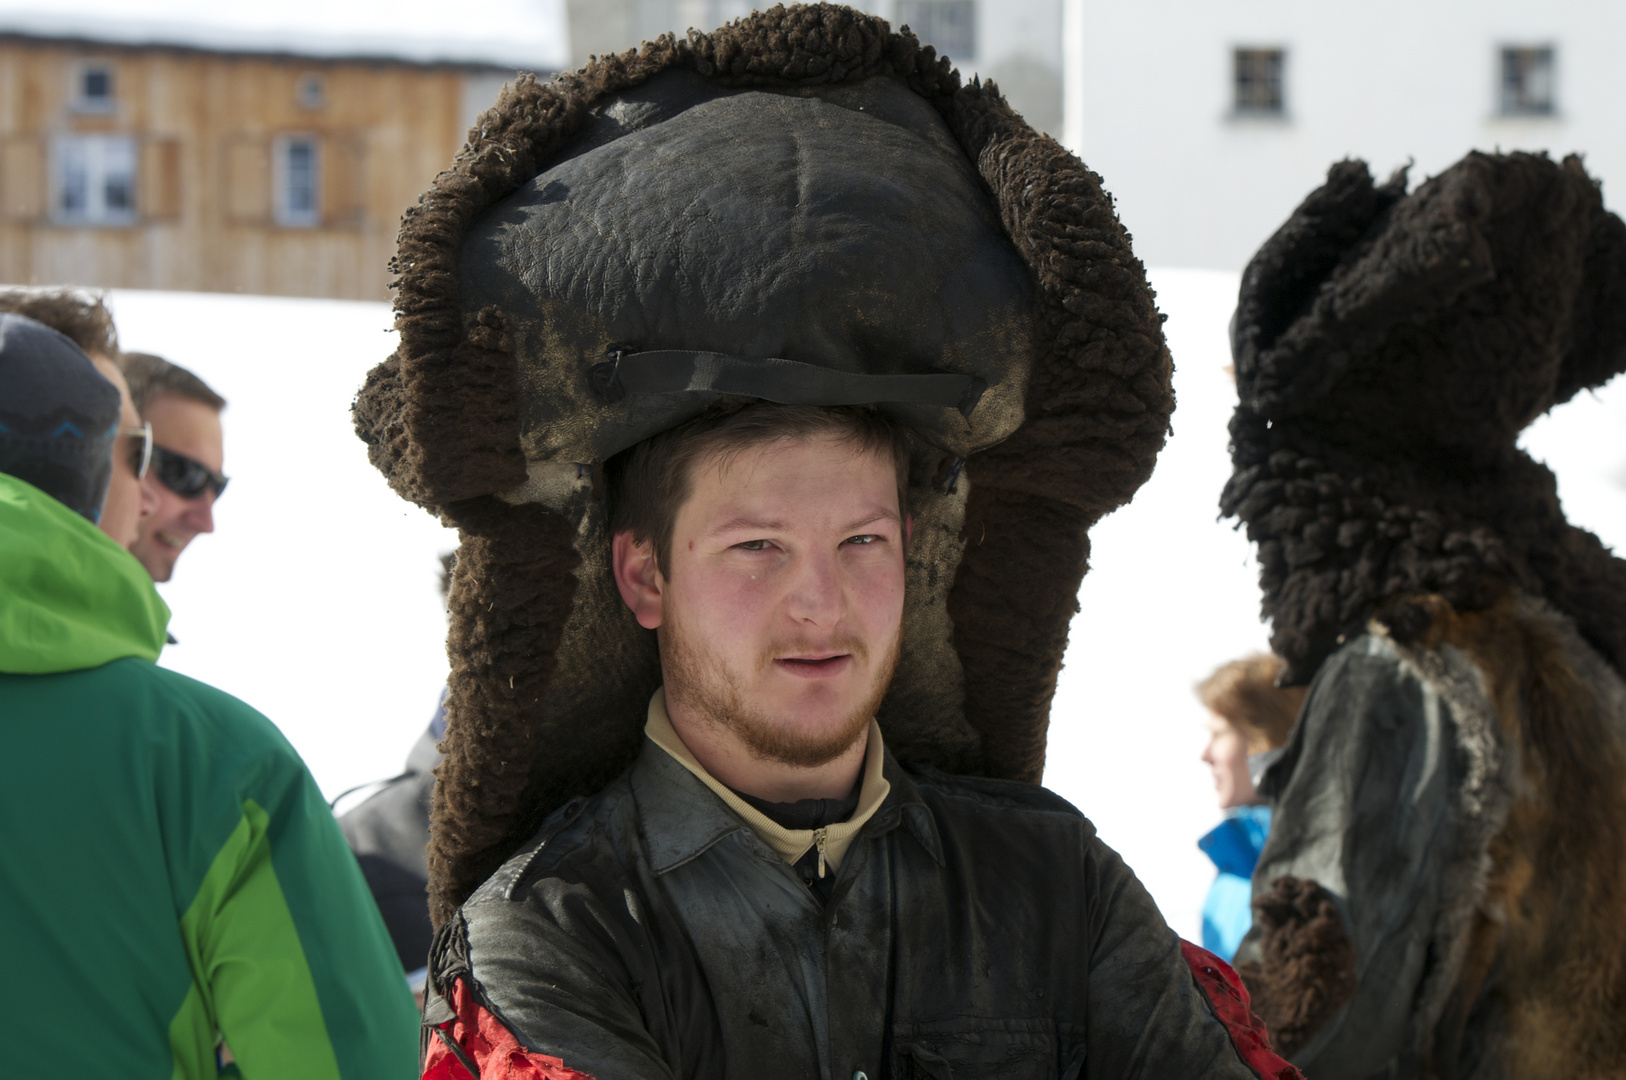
(1244, 693)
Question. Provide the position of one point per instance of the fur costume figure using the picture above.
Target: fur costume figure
(1444, 890)
(987, 255)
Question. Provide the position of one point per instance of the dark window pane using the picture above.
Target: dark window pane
(1258, 81)
(300, 178)
(1528, 77)
(98, 84)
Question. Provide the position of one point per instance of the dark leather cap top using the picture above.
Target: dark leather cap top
(839, 226)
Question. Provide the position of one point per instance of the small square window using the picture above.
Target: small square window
(1258, 82)
(950, 26)
(93, 88)
(95, 180)
(1529, 77)
(312, 92)
(297, 162)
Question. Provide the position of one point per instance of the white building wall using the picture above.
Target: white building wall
(1018, 42)
(1384, 80)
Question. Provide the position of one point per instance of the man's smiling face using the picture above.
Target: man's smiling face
(192, 429)
(782, 612)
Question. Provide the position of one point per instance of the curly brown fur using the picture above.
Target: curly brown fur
(1556, 938)
(1390, 349)
(1307, 967)
(512, 585)
(1098, 404)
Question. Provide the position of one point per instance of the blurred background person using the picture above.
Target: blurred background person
(188, 456)
(1249, 718)
(171, 878)
(82, 317)
(389, 834)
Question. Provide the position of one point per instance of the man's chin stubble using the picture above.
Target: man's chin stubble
(716, 699)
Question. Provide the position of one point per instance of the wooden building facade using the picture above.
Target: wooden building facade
(180, 168)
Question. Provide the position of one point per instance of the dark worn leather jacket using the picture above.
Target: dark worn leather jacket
(976, 928)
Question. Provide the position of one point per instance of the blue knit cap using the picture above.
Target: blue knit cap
(58, 416)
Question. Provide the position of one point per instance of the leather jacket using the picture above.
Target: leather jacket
(975, 928)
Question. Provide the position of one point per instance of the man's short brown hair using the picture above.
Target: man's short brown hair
(1244, 693)
(149, 376)
(650, 482)
(79, 315)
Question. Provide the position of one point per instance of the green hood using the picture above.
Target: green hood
(70, 598)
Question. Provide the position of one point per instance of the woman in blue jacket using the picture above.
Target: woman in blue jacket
(1249, 718)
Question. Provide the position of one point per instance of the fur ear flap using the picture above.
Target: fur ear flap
(1598, 351)
(1285, 277)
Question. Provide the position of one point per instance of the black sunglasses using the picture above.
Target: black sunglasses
(187, 478)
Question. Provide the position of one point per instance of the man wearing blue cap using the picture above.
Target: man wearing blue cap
(171, 879)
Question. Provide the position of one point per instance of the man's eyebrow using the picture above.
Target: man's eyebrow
(881, 515)
(748, 524)
(751, 524)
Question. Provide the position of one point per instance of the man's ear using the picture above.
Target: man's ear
(638, 576)
(908, 529)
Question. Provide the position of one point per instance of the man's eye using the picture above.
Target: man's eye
(864, 538)
(753, 545)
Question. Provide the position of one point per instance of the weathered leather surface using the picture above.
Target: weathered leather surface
(838, 225)
(976, 928)
(1379, 799)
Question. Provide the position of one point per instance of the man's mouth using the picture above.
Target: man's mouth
(813, 667)
(169, 539)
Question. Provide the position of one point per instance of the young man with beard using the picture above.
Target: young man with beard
(773, 380)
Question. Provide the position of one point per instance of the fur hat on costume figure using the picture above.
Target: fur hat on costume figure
(1389, 350)
(804, 207)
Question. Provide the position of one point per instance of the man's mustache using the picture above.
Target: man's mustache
(802, 649)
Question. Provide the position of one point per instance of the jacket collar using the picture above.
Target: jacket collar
(74, 599)
(682, 817)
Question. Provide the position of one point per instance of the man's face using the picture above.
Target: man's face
(126, 503)
(192, 429)
(782, 614)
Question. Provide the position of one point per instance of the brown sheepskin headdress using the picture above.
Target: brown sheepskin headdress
(802, 185)
(1389, 350)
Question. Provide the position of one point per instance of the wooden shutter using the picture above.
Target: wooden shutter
(160, 187)
(342, 159)
(247, 170)
(23, 195)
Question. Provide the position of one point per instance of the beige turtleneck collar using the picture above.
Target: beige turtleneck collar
(791, 844)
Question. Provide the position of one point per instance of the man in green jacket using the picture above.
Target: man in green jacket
(171, 878)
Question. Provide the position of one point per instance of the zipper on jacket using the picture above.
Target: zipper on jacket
(818, 842)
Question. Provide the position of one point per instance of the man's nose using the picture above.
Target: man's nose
(816, 593)
(200, 515)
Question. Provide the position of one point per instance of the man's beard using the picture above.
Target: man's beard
(716, 697)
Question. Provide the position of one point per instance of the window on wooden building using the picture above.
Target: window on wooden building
(948, 25)
(297, 181)
(92, 88)
(1528, 81)
(312, 92)
(1258, 82)
(95, 180)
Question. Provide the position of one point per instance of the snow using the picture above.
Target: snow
(316, 600)
(529, 35)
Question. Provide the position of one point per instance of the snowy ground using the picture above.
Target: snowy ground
(316, 600)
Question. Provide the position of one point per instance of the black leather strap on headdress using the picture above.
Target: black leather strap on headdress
(788, 382)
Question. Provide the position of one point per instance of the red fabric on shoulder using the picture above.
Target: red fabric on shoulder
(490, 1045)
(1225, 992)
